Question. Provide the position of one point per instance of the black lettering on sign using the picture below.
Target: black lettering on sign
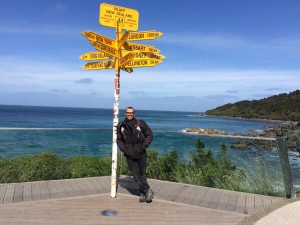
(110, 11)
(119, 9)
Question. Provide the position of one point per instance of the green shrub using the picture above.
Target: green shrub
(88, 166)
(46, 166)
(204, 165)
(164, 167)
(14, 170)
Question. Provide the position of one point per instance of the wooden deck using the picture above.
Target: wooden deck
(84, 201)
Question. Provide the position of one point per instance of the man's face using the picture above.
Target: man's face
(129, 114)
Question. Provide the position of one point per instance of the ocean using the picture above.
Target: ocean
(88, 131)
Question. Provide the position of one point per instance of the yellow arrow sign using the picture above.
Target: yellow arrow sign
(105, 48)
(128, 70)
(94, 56)
(139, 47)
(112, 15)
(144, 35)
(135, 63)
(126, 58)
(92, 36)
(99, 65)
(143, 55)
(123, 39)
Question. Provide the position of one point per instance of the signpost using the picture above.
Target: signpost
(139, 47)
(144, 35)
(94, 37)
(136, 55)
(99, 65)
(143, 55)
(94, 56)
(126, 58)
(113, 16)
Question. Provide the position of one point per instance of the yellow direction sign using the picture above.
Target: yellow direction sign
(94, 56)
(126, 58)
(143, 55)
(99, 65)
(139, 47)
(144, 35)
(135, 63)
(128, 70)
(123, 39)
(112, 15)
(92, 36)
(105, 48)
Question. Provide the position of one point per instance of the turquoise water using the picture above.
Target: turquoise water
(95, 137)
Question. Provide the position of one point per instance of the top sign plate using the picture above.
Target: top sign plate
(112, 15)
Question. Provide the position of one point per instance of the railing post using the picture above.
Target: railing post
(286, 169)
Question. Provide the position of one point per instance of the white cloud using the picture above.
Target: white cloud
(208, 87)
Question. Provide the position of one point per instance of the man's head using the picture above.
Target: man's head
(129, 113)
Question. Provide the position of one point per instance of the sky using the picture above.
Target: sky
(217, 52)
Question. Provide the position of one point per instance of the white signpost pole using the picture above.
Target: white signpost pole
(115, 121)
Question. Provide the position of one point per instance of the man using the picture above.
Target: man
(133, 138)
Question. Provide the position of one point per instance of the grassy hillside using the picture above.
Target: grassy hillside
(278, 107)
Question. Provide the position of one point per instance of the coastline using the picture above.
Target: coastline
(281, 122)
(234, 136)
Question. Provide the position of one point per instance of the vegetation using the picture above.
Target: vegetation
(278, 107)
(203, 169)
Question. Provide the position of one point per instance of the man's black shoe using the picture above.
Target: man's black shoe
(142, 197)
(149, 195)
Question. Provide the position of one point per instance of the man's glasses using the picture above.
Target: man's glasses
(129, 113)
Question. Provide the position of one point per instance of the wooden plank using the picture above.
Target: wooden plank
(258, 203)
(68, 189)
(250, 204)
(154, 184)
(185, 193)
(199, 197)
(35, 191)
(84, 187)
(98, 187)
(163, 188)
(53, 192)
(2, 193)
(232, 202)
(105, 182)
(9, 193)
(91, 186)
(267, 202)
(44, 190)
(59, 187)
(207, 198)
(224, 200)
(18, 194)
(27, 193)
(214, 202)
(241, 203)
(75, 187)
(173, 192)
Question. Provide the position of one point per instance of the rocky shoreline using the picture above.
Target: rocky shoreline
(262, 141)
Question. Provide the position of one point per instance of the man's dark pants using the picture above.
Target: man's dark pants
(138, 171)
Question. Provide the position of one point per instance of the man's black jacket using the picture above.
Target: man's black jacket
(133, 137)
